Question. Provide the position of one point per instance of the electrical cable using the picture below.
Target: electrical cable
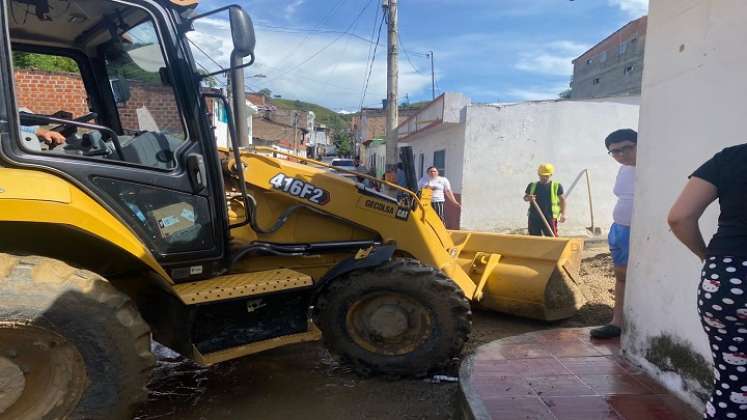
(373, 60)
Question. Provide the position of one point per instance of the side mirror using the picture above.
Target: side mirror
(242, 32)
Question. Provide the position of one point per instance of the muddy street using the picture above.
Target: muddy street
(306, 382)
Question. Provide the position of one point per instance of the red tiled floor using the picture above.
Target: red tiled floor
(614, 384)
(607, 347)
(490, 367)
(580, 408)
(513, 351)
(592, 365)
(575, 348)
(651, 407)
(559, 385)
(518, 408)
(563, 375)
(539, 367)
(504, 386)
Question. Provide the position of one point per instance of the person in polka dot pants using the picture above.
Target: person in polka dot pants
(722, 292)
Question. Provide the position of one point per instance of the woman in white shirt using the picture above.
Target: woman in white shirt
(441, 190)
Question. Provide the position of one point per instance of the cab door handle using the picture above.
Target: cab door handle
(197, 173)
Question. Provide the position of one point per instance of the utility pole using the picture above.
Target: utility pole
(295, 132)
(392, 114)
(433, 77)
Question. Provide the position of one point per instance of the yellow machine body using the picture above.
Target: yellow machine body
(520, 275)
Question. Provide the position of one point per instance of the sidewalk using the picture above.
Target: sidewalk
(561, 375)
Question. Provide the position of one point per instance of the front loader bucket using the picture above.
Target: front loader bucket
(527, 276)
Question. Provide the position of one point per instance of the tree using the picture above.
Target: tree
(344, 143)
(267, 93)
(54, 63)
(566, 94)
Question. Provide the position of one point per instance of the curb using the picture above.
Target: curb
(470, 405)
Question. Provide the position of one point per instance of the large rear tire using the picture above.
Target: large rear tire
(71, 345)
(401, 319)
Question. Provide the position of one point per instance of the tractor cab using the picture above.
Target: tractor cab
(108, 96)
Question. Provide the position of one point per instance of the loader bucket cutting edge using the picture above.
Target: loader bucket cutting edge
(525, 276)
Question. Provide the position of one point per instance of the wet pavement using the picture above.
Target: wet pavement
(561, 374)
(296, 382)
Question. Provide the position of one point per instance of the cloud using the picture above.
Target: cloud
(634, 8)
(536, 93)
(334, 77)
(552, 59)
(291, 8)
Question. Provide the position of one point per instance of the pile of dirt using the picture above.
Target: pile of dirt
(597, 284)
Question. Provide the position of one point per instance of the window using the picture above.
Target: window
(47, 84)
(439, 161)
(595, 81)
(603, 56)
(622, 48)
(629, 69)
(147, 127)
(589, 61)
(135, 65)
(421, 158)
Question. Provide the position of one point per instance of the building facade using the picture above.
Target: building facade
(613, 67)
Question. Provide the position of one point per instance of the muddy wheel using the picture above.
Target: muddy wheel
(400, 319)
(71, 345)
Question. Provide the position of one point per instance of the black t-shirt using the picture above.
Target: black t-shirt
(544, 200)
(727, 170)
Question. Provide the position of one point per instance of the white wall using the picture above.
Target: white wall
(449, 137)
(504, 146)
(693, 105)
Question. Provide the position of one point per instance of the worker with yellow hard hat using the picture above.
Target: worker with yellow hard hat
(548, 196)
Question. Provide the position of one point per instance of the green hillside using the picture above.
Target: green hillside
(323, 115)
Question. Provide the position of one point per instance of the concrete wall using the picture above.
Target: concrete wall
(692, 106)
(504, 146)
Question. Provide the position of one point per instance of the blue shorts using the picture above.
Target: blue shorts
(619, 240)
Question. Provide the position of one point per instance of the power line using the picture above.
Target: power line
(321, 22)
(321, 50)
(373, 60)
(407, 55)
(289, 30)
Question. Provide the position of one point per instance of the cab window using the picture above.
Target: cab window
(139, 121)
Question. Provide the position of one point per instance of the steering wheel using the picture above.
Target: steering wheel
(68, 130)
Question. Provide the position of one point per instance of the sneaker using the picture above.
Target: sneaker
(606, 331)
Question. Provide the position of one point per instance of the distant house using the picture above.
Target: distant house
(613, 67)
(288, 129)
(370, 124)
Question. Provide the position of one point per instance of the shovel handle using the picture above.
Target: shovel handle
(542, 216)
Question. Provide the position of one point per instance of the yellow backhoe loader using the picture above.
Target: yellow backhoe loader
(140, 227)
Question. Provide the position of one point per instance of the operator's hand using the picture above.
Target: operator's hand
(562, 218)
(529, 197)
(50, 137)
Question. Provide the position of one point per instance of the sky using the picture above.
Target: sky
(491, 50)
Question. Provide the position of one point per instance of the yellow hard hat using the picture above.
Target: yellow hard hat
(546, 169)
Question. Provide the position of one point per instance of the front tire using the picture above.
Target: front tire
(401, 319)
(71, 345)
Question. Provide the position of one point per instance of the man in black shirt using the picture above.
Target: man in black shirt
(549, 197)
